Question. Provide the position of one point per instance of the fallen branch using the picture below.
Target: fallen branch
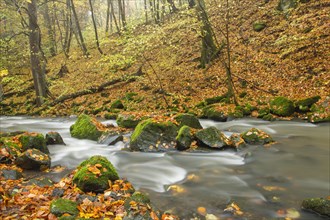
(91, 90)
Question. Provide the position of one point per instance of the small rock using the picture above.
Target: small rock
(53, 137)
(60, 207)
(319, 205)
(11, 174)
(33, 159)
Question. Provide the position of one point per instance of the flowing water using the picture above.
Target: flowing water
(266, 182)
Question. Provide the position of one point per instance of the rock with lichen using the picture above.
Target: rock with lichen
(54, 137)
(188, 120)
(33, 159)
(211, 137)
(256, 136)
(184, 138)
(152, 136)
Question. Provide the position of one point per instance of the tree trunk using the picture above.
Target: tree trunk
(107, 19)
(122, 13)
(37, 67)
(114, 17)
(209, 49)
(83, 45)
(231, 91)
(145, 10)
(51, 38)
(95, 28)
(173, 8)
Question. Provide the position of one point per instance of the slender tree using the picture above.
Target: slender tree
(50, 32)
(95, 28)
(78, 29)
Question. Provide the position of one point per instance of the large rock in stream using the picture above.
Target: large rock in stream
(87, 127)
(211, 137)
(256, 136)
(33, 159)
(188, 120)
(93, 175)
(33, 140)
(151, 136)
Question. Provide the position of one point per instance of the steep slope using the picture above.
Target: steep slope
(287, 58)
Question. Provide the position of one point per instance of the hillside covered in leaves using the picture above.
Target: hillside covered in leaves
(155, 67)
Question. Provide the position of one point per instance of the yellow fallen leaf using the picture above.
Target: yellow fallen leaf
(201, 210)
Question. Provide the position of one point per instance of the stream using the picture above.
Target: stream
(265, 182)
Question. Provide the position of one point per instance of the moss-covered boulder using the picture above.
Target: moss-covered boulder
(184, 138)
(282, 106)
(318, 205)
(117, 104)
(211, 137)
(319, 113)
(210, 112)
(138, 199)
(189, 120)
(256, 136)
(258, 26)
(87, 127)
(304, 105)
(33, 140)
(54, 137)
(127, 121)
(59, 207)
(33, 159)
(152, 136)
(93, 174)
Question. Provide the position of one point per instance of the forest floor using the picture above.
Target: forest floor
(289, 58)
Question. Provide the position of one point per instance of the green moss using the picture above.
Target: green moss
(127, 121)
(211, 137)
(36, 141)
(256, 136)
(160, 136)
(262, 112)
(110, 115)
(117, 104)
(140, 197)
(60, 207)
(258, 26)
(304, 105)
(94, 182)
(215, 99)
(189, 120)
(282, 106)
(84, 128)
(184, 138)
(211, 113)
(318, 205)
(130, 96)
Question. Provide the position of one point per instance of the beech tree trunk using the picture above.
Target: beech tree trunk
(37, 63)
(51, 39)
(209, 49)
(81, 38)
(95, 28)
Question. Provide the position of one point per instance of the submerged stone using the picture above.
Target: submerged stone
(319, 205)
